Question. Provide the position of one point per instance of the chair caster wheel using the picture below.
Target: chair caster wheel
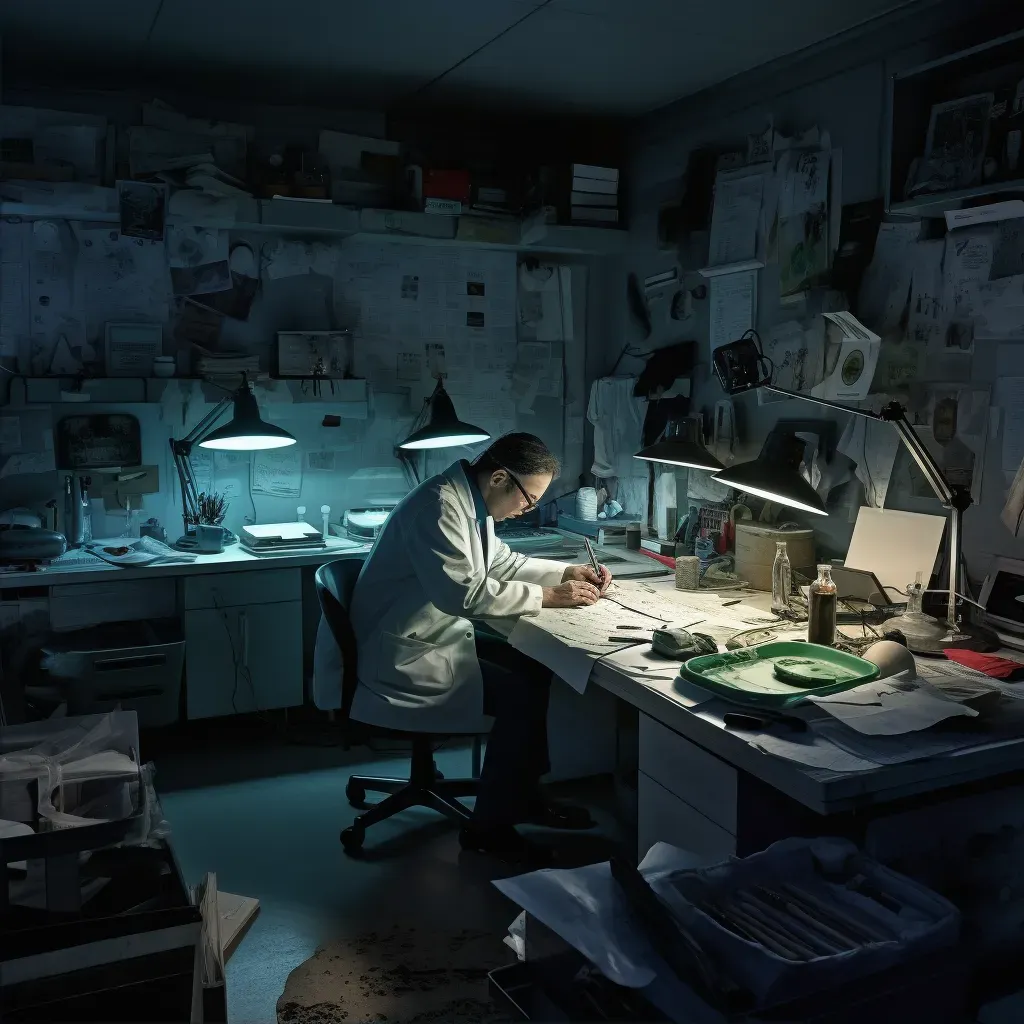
(352, 839)
(355, 793)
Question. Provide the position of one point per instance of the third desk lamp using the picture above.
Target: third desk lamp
(775, 474)
(681, 445)
(444, 429)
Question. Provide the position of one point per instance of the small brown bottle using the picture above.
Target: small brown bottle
(821, 608)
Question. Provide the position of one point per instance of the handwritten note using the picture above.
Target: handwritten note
(278, 472)
(735, 217)
(733, 306)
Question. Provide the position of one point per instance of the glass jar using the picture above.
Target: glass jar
(782, 579)
(821, 608)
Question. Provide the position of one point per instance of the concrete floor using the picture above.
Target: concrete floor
(265, 816)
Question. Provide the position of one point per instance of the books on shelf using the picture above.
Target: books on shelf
(598, 185)
(593, 171)
(595, 214)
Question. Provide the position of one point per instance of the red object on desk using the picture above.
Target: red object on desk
(446, 185)
(997, 668)
(664, 559)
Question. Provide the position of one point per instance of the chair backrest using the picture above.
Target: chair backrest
(335, 583)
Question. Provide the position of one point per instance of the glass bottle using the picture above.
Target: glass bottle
(782, 579)
(821, 608)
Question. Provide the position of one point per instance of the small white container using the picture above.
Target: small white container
(164, 366)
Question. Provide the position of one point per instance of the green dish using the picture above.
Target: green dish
(751, 676)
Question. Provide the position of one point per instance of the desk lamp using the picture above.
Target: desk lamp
(444, 428)
(681, 445)
(244, 432)
(741, 366)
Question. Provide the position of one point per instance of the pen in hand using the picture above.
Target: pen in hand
(593, 560)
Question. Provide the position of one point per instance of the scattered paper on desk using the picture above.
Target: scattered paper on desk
(278, 471)
(733, 306)
(883, 749)
(28, 462)
(896, 712)
(735, 216)
(810, 749)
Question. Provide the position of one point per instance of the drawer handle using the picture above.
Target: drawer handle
(122, 664)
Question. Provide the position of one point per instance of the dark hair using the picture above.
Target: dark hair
(521, 454)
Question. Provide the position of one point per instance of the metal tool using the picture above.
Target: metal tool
(593, 558)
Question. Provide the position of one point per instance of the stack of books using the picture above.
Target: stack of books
(595, 195)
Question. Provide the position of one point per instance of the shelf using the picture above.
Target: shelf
(938, 203)
(349, 398)
(329, 220)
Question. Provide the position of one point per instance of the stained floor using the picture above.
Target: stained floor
(265, 816)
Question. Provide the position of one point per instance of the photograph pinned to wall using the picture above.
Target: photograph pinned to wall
(142, 206)
(198, 258)
(237, 301)
(952, 421)
(954, 149)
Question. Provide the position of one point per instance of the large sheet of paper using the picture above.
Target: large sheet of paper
(895, 545)
(733, 306)
(1010, 397)
(735, 217)
(886, 284)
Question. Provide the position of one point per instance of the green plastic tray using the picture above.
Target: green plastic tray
(748, 676)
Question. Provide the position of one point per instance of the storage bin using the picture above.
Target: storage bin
(136, 666)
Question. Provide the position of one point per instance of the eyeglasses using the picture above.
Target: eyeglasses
(530, 503)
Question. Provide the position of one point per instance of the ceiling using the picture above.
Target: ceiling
(620, 57)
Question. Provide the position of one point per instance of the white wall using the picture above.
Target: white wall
(842, 87)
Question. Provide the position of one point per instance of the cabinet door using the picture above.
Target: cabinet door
(663, 818)
(244, 658)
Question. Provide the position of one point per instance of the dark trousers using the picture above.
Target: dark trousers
(516, 691)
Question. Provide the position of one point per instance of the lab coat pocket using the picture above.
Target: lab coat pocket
(414, 668)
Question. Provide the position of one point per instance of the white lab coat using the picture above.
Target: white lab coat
(422, 585)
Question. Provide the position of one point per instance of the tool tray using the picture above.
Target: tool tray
(898, 919)
(747, 676)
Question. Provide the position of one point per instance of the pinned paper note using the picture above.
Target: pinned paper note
(278, 471)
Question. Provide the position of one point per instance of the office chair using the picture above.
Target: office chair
(426, 786)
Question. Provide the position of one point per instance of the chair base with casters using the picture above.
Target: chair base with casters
(425, 787)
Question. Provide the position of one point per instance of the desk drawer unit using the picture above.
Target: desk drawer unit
(664, 818)
(249, 587)
(242, 659)
(689, 772)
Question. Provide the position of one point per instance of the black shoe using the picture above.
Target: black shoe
(551, 814)
(505, 843)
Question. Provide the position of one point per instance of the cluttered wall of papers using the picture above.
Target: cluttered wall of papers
(794, 229)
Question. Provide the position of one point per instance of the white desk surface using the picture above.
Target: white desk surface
(819, 789)
(233, 559)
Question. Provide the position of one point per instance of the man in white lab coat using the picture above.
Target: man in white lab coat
(427, 659)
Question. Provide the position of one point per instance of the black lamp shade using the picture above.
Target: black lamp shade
(775, 475)
(246, 431)
(445, 429)
(683, 448)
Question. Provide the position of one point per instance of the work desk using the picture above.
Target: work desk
(232, 559)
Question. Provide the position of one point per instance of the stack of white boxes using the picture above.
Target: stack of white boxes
(595, 195)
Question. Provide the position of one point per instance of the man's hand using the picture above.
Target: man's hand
(571, 594)
(587, 575)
